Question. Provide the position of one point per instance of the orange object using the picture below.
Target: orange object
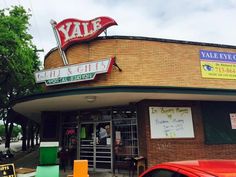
(80, 168)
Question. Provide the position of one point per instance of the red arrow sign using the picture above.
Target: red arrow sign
(74, 30)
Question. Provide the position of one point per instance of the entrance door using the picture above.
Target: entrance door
(96, 145)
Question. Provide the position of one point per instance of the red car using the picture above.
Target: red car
(194, 168)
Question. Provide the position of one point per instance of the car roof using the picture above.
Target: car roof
(215, 167)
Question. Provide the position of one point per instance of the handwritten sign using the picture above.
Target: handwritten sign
(233, 120)
(171, 122)
(7, 170)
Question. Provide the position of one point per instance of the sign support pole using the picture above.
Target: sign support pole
(62, 53)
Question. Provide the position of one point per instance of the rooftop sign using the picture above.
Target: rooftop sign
(73, 30)
(74, 73)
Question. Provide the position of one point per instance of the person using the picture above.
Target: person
(102, 136)
(107, 127)
(72, 156)
(63, 155)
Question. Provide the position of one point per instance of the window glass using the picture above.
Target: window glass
(160, 173)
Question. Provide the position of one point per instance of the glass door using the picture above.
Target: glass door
(96, 145)
(87, 142)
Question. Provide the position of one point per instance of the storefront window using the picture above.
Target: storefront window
(69, 137)
(125, 136)
(95, 115)
(106, 136)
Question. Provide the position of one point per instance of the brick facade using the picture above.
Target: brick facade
(143, 62)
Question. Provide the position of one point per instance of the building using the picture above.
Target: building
(162, 99)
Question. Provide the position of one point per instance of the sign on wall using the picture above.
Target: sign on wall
(74, 73)
(171, 122)
(216, 64)
(233, 120)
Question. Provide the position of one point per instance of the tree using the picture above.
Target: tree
(2, 130)
(15, 132)
(18, 62)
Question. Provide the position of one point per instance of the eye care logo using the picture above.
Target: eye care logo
(207, 67)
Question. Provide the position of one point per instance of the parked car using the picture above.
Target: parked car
(194, 168)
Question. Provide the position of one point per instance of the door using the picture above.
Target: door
(96, 145)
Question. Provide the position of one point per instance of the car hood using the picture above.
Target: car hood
(217, 167)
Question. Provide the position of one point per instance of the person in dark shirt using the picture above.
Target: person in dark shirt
(64, 155)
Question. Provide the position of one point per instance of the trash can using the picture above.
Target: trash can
(48, 153)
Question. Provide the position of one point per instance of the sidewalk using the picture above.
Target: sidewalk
(23, 159)
(31, 160)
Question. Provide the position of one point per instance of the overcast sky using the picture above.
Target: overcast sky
(211, 21)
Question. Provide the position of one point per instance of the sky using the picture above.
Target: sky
(211, 21)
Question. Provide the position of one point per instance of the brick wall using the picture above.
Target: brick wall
(163, 150)
(149, 63)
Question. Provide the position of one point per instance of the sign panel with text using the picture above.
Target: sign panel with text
(171, 122)
(216, 64)
(7, 170)
(233, 120)
(73, 30)
(74, 73)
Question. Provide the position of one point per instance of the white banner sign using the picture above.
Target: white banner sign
(171, 122)
(74, 73)
(233, 120)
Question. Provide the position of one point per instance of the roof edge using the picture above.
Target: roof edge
(154, 39)
(137, 89)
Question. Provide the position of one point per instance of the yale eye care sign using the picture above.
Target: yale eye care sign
(221, 65)
(171, 122)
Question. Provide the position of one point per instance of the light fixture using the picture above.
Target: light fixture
(90, 99)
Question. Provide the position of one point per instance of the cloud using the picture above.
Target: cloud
(209, 21)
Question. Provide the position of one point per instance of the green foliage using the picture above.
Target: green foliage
(2, 130)
(15, 132)
(18, 58)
